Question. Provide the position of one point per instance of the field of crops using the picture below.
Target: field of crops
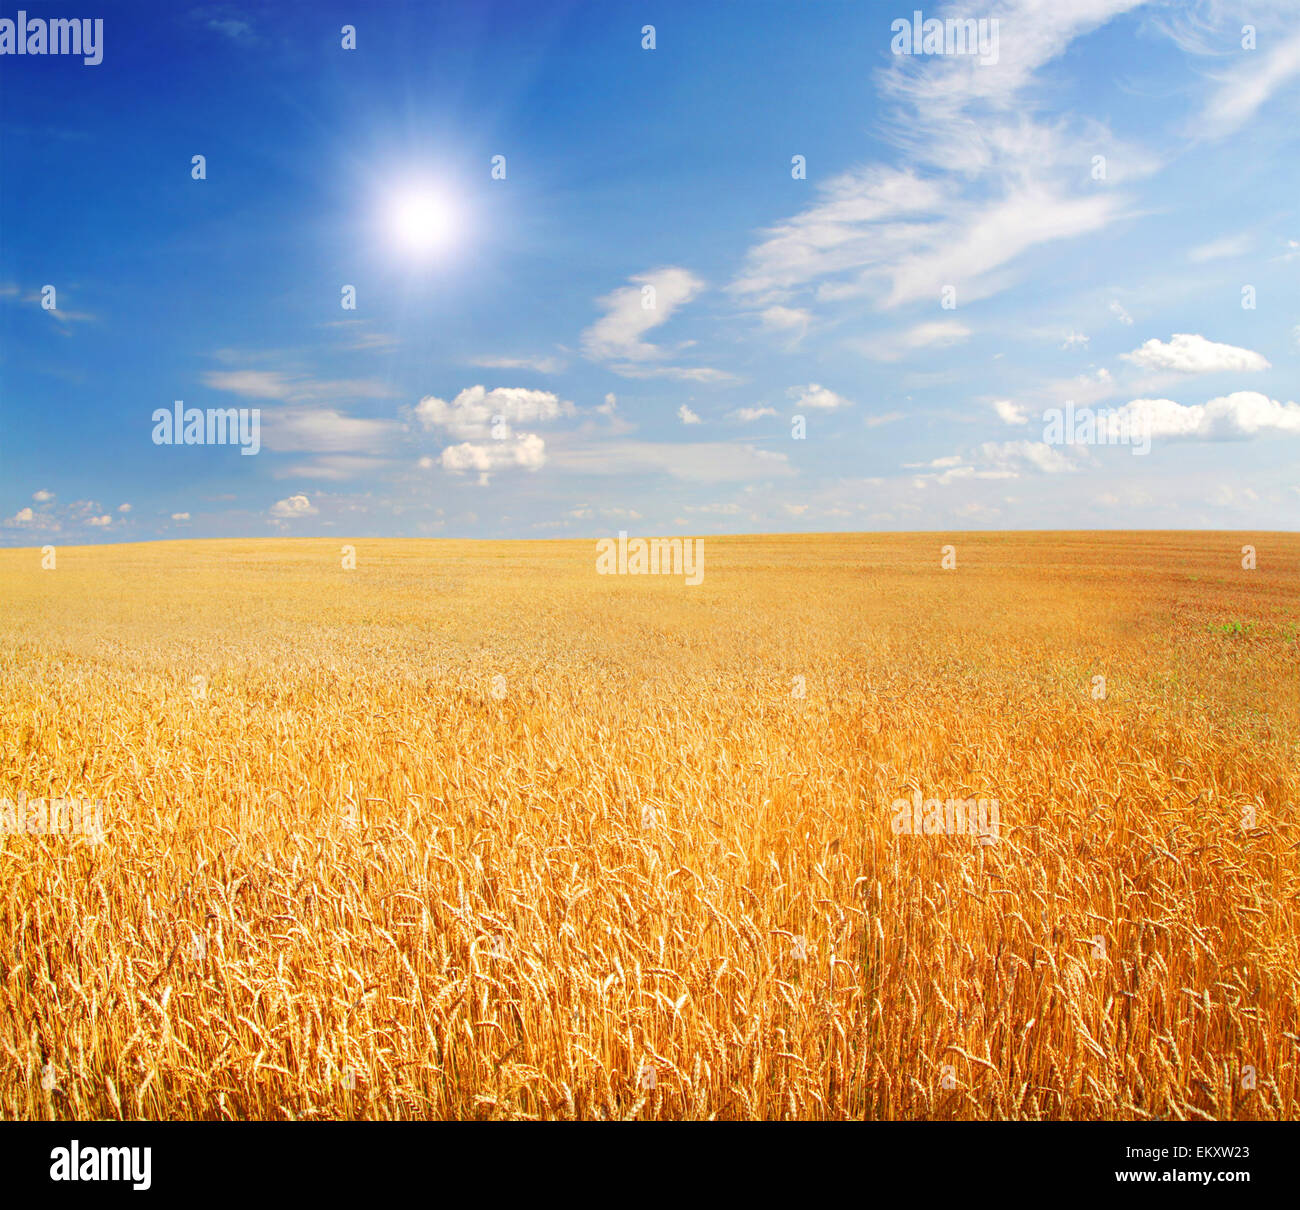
(470, 831)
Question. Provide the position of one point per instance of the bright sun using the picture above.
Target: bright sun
(421, 220)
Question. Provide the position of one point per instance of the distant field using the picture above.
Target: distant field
(471, 831)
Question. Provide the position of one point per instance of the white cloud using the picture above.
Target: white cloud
(100, 521)
(1008, 455)
(632, 311)
(785, 318)
(323, 429)
(792, 320)
(686, 416)
(359, 338)
(837, 235)
(1118, 311)
(1192, 354)
(749, 415)
(36, 519)
(722, 510)
(292, 507)
(1075, 340)
(873, 422)
(995, 460)
(332, 466)
(936, 334)
(123, 508)
(252, 384)
(1229, 245)
(1242, 92)
(485, 419)
(1010, 413)
(293, 388)
(470, 414)
(542, 365)
(703, 461)
(1033, 33)
(609, 407)
(815, 396)
(42, 496)
(987, 184)
(1235, 417)
(186, 516)
(676, 373)
(526, 450)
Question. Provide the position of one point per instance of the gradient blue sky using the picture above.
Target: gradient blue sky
(669, 167)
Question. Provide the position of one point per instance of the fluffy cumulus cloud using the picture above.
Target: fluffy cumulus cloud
(526, 450)
(47, 517)
(1187, 353)
(474, 412)
(485, 423)
(1235, 417)
(686, 416)
(816, 396)
(293, 507)
(749, 415)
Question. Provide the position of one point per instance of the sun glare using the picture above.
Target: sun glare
(421, 221)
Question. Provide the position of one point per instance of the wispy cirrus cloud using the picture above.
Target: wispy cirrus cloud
(933, 334)
(1240, 93)
(541, 365)
(703, 462)
(283, 386)
(631, 312)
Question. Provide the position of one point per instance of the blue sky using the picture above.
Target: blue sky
(502, 374)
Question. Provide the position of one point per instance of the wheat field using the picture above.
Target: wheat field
(470, 831)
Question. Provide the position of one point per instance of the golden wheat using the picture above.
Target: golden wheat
(470, 831)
